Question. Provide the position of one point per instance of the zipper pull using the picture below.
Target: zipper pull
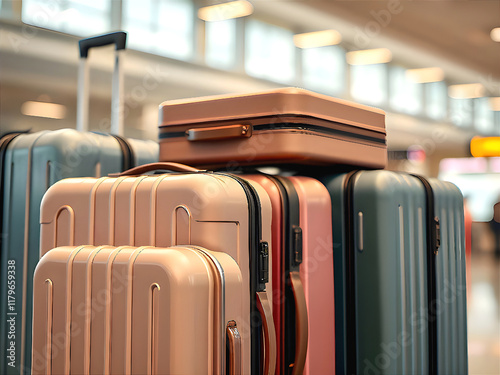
(437, 235)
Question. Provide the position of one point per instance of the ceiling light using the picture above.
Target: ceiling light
(495, 34)
(425, 75)
(317, 39)
(467, 91)
(495, 104)
(369, 56)
(225, 11)
(42, 109)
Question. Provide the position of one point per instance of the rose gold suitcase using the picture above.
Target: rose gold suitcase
(302, 259)
(218, 211)
(287, 125)
(137, 310)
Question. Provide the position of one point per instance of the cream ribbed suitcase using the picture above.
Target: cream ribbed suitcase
(137, 310)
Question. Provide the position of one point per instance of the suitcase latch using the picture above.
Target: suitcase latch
(264, 262)
(297, 244)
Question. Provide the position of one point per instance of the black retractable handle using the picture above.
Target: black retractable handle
(118, 38)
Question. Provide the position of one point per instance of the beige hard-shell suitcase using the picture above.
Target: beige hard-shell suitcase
(287, 125)
(218, 211)
(137, 310)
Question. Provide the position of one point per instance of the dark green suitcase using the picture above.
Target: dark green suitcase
(400, 307)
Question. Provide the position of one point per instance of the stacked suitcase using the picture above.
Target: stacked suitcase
(171, 269)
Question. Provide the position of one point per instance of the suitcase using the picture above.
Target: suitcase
(303, 127)
(30, 163)
(215, 210)
(302, 261)
(137, 310)
(399, 256)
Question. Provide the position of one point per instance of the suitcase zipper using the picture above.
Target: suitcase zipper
(350, 280)
(433, 244)
(324, 130)
(376, 138)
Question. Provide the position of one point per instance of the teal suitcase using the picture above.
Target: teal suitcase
(29, 165)
(399, 265)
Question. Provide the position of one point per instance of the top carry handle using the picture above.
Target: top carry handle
(119, 39)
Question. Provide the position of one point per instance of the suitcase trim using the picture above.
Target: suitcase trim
(371, 136)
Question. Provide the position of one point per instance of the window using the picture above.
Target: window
(324, 68)
(484, 119)
(220, 43)
(78, 17)
(406, 96)
(269, 52)
(436, 100)
(5, 9)
(479, 181)
(461, 112)
(163, 27)
(369, 83)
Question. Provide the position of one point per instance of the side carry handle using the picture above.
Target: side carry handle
(218, 133)
(119, 39)
(160, 166)
(264, 307)
(301, 323)
(234, 346)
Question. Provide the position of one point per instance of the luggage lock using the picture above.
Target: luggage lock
(264, 262)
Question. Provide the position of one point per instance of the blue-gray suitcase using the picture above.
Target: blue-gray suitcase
(399, 259)
(29, 165)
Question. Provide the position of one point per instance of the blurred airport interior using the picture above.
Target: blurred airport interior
(433, 66)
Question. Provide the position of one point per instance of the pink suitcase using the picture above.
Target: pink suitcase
(302, 259)
(287, 125)
(218, 211)
(137, 310)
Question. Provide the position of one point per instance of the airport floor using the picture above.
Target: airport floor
(484, 315)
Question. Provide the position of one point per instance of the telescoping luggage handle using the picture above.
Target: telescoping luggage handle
(119, 39)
